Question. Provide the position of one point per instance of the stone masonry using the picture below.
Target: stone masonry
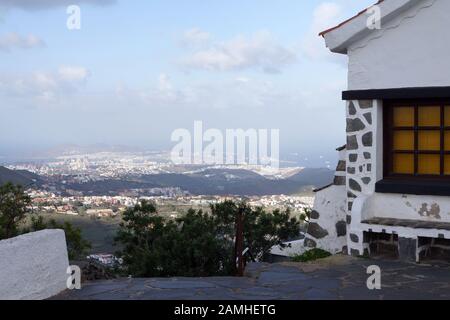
(327, 228)
(361, 160)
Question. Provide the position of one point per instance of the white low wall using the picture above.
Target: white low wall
(409, 207)
(327, 226)
(33, 266)
(295, 248)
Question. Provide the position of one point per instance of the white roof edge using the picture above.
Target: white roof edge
(339, 38)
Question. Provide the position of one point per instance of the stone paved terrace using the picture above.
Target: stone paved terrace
(338, 277)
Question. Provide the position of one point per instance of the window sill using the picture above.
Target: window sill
(412, 186)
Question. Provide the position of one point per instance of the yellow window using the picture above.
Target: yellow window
(429, 140)
(447, 116)
(429, 164)
(430, 116)
(447, 165)
(447, 140)
(404, 164)
(403, 140)
(403, 117)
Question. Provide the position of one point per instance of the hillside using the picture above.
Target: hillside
(23, 178)
(316, 177)
(213, 182)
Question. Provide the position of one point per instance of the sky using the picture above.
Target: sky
(136, 70)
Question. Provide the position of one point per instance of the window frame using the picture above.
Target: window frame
(388, 136)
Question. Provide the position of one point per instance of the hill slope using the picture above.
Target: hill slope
(16, 177)
(213, 182)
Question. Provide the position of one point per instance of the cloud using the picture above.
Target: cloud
(326, 15)
(43, 86)
(195, 37)
(259, 51)
(73, 74)
(13, 40)
(48, 4)
(216, 94)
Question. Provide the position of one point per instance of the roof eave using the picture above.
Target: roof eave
(339, 38)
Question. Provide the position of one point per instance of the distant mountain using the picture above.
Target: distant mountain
(214, 182)
(315, 177)
(21, 177)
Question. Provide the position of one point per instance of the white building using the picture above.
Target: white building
(397, 159)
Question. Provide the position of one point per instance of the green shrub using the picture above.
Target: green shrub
(198, 243)
(77, 247)
(306, 215)
(14, 206)
(311, 255)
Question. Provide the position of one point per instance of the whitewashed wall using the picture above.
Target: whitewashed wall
(328, 229)
(408, 207)
(409, 51)
(33, 266)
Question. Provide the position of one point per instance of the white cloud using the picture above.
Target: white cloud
(43, 86)
(73, 74)
(13, 40)
(258, 51)
(233, 94)
(326, 15)
(195, 37)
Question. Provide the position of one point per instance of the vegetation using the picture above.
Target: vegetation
(77, 247)
(306, 215)
(14, 208)
(311, 255)
(14, 205)
(199, 243)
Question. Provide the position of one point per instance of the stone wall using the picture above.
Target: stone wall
(33, 266)
(364, 163)
(327, 228)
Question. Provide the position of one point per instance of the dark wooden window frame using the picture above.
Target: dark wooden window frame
(389, 129)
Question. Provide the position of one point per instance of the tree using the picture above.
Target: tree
(14, 205)
(138, 232)
(190, 247)
(77, 246)
(199, 243)
(262, 230)
(153, 246)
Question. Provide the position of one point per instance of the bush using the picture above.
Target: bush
(262, 230)
(311, 255)
(306, 215)
(14, 206)
(197, 244)
(77, 247)
(155, 247)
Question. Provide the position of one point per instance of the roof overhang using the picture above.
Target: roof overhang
(339, 38)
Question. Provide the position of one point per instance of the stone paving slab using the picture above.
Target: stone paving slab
(334, 278)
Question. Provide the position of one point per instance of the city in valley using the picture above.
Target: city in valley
(92, 189)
